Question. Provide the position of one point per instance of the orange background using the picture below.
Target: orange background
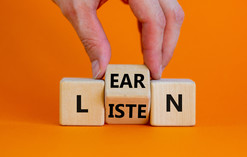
(38, 47)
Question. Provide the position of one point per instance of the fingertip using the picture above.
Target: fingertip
(99, 68)
(100, 64)
(155, 71)
(99, 75)
(99, 56)
(96, 69)
(156, 75)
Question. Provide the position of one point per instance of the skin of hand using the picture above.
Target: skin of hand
(159, 23)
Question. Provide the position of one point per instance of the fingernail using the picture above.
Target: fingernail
(95, 69)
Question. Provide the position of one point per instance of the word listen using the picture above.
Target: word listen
(125, 98)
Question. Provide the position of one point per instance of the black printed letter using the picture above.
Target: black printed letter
(139, 81)
(114, 80)
(140, 111)
(78, 99)
(130, 109)
(127, 82)
(119, 110)
(111, 111)
(169, 99)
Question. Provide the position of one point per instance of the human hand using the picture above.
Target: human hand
(159, 23)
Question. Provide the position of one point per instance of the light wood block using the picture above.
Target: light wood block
(127, 94)
(81, 101)
(173, 102)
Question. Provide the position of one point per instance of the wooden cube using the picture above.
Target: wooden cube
(81, 101)
(173, 102)
(127, 94)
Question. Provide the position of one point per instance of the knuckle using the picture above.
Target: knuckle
(68, 11)
(90, 44)
(72, 8)
(179, 15)
(158, 20)
(161, 20)
(95, 47)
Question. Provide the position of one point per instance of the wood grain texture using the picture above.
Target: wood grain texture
(160, 114)
(134, 96)
(91, 92)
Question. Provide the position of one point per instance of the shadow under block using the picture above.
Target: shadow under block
(81, 101)
(173, 102)
(127, 94)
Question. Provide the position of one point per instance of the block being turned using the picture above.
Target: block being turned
(173, 102)
(127, 94)
(81, 101)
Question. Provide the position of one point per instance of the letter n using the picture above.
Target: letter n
(170, 99)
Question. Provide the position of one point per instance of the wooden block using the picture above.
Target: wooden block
(173, 102)
(81, 101)
(127, 94)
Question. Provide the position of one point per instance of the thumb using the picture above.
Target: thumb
(89, 29)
